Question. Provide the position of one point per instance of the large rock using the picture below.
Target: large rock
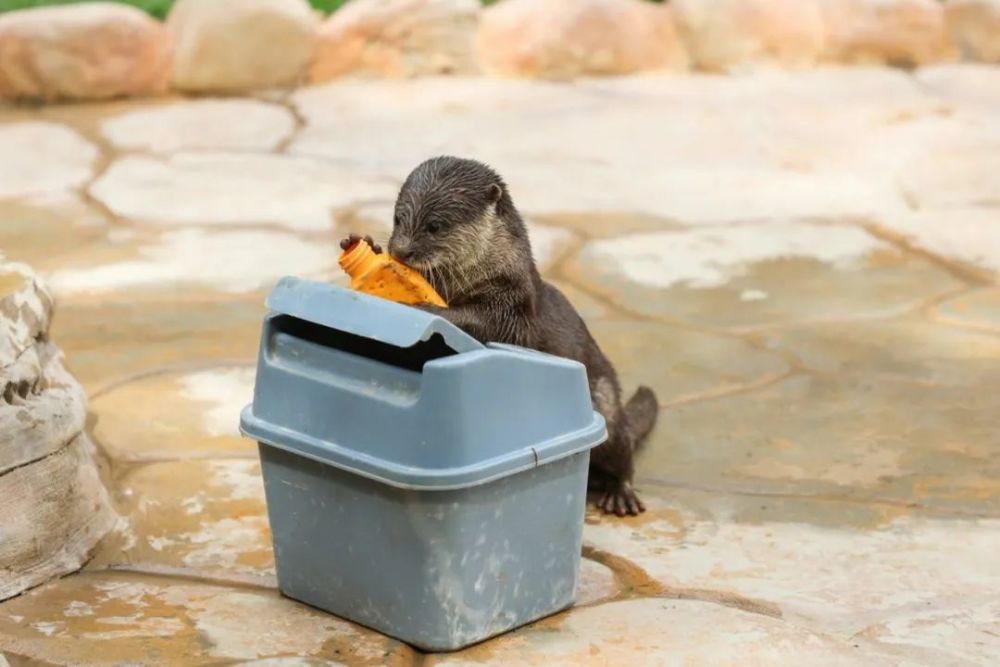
(229, 46)
(895, 32)
(85, 51)
(566, 38)
(975, 28)
(54, 506)
(398, 38)
(732, 34)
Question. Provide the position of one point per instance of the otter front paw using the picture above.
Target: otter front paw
(355, 239)
(619, 498)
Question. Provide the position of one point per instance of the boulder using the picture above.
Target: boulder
(893, 32)
(975, 28)
(86, 51)
(54, 506)
(561, 39)
(246, 45)
(724, 35)
(397, 38)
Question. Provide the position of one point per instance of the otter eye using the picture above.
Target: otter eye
(433, 227)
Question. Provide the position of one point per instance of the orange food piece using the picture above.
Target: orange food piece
(381, 275)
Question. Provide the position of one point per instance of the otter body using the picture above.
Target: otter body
(455, 222)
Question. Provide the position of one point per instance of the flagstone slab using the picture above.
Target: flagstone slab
(235, 188)
(979, 309)
(117, 618)
(854, 571)
(662, 632)
(909, 349)
(681, 364)
(175, 415)
(195, 259)
(111, 340)
(202, 124)
(39, 157)
(860, 437)
(38, 231)
(965, 236)
(756, 275)
(200, 518)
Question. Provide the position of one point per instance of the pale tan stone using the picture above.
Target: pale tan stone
(198, 518)
(758, 275)
(597, 583)
(975, 28)
(115, 619)
(860, 573)
(236, 188)
(663, 632)
(734, 34)
(978, 310)
(967, 85)
(175, 415)
(397, 38)
(710, 365)
(90, 50)
(245, 45)
(567, 38)
(190, 330)
(41, 158)
(923, 438)
(967, 236)
(895, 32)
(201, 125)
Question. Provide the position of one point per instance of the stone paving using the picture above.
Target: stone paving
(804, 265)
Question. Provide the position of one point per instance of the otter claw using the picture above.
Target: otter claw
(621, 501)
(354, 239)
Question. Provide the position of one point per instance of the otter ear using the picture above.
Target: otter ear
(494, 192)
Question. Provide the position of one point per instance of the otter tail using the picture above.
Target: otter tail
(641, 411)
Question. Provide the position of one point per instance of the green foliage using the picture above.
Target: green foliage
(157, 8)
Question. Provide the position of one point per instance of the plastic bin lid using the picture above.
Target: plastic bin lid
(548, 394)
(382, 320)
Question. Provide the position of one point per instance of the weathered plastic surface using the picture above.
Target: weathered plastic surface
(417, 481)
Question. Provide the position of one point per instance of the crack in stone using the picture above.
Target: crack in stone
(963, 271)
(637, 583)
(762, 383)
(299, 120)
(173, 368)
(233, 580)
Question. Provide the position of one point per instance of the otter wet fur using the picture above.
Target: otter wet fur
(456, 224)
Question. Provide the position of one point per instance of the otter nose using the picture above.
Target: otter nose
(400, 250)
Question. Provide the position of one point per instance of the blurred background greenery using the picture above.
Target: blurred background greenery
(159, 8)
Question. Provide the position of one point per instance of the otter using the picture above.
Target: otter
(456, 224)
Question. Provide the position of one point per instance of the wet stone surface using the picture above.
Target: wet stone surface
(176, 414)
(810, 286)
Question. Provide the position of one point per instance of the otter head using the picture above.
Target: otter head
(455, 223)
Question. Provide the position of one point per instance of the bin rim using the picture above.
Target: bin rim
(423, 479)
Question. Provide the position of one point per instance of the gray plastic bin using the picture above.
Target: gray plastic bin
(417, 482)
